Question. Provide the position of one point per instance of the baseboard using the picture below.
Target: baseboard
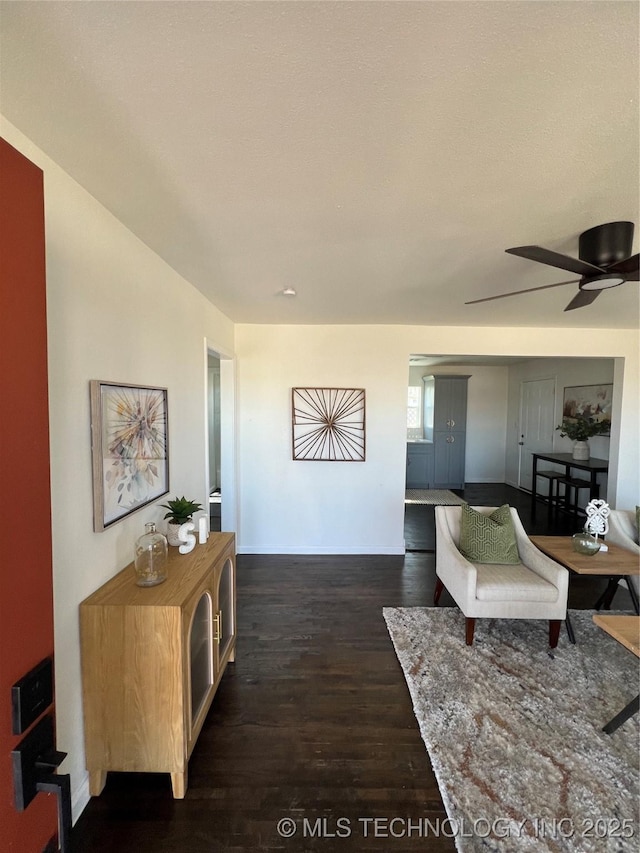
(80, 798)
(337, 550)
(514, 485)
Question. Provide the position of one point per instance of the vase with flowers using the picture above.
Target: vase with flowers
(580, 430)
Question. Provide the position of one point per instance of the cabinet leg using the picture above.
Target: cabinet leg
(97, 781)
(179, 785)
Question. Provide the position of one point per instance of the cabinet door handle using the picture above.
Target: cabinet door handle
(450, 439)
(217, 626)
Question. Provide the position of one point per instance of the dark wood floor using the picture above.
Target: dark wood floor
(312, 723)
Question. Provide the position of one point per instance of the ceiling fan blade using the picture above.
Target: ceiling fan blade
(516, 292)
(555, 259)
(582, 298)
(628, 267)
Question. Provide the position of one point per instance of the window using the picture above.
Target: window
(414, 407)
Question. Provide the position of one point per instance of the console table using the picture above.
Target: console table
(592, 466)
(152, 659)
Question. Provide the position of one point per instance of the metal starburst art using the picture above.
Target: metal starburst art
(328, 424)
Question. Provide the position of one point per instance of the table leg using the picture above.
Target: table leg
(633, 594)
(607, 596)
(626, 713)
(534, 487)
(569, 626)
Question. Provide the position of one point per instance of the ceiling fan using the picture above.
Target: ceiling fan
(604, 261)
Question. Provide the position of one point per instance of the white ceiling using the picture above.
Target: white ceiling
(378, 157)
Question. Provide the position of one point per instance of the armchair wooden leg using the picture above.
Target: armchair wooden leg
(554, 632)
(471, 626)
(438, 591)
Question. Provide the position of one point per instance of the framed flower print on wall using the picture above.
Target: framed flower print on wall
(129, 448)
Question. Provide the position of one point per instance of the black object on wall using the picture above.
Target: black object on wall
(31, 696)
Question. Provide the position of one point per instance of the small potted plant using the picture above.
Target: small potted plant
(580, 430)
(180, 511)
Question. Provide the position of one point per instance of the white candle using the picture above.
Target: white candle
(203, 529)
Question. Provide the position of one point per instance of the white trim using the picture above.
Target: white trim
(80, 798)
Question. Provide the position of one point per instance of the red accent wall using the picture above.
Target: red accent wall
(26, 595)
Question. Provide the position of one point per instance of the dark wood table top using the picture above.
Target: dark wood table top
(592, 464)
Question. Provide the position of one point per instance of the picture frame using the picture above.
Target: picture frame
(592, 402)
(129, 449)
(328, 424)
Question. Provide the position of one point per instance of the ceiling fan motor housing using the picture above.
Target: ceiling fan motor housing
(606, 244)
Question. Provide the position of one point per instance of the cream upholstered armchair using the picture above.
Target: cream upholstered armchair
(623, 531)
(535, 587)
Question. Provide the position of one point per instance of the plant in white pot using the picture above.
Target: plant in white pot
(180, 511)
(580, 430)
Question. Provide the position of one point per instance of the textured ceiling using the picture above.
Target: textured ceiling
(378, 157)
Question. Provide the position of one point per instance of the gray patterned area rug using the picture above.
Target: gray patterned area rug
(513, 730)
(432, 497)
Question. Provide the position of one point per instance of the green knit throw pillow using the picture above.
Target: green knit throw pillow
(488, 538)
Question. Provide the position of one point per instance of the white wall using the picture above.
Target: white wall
(324, 507)
(318, 507)
(115, 312)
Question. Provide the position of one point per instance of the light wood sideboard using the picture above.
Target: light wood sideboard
(152, 659)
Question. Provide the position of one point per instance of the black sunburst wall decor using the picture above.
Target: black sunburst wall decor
(328, 424)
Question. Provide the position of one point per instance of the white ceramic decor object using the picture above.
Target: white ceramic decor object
(597, 519)
(185, 535)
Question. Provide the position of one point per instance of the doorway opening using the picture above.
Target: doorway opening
(220, 444)
(213, 421)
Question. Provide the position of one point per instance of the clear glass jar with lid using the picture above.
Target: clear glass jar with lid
(151, 554)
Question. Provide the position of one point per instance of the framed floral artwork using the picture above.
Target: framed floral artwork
(328, 424)
(591, 402)
(129, 449)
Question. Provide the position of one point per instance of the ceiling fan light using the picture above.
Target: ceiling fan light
(602, 282)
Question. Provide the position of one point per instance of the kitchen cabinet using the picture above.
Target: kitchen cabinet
(445, 423)
(419, 465)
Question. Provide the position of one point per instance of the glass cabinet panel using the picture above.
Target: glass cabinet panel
(201, 655)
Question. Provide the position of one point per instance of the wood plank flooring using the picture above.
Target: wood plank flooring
(313, 723)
